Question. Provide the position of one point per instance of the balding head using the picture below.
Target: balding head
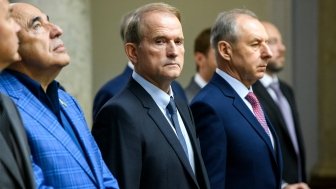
(41, 48)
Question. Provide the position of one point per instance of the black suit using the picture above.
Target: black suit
(15, 164)
(290, 161)
(140, 147)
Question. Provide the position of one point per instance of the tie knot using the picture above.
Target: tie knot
(171, 107)
(251, 97)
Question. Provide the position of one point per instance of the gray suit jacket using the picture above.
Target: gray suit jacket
(192, 89)
(15, 163)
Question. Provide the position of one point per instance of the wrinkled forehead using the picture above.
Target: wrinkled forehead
(25, 14)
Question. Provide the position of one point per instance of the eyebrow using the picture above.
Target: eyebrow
(37, 19)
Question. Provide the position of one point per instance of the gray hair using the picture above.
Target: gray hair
(125, 20)
(134, 33)
(225, 27)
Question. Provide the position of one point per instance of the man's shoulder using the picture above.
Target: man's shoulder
(115, 84)
(192, 85)
(9, 85)
(6, 79)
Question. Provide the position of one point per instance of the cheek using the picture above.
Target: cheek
(9, 44)
(182, 50)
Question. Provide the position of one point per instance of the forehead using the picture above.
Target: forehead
(250, 27)
(161, 22)
(25, 13)
(272, 31)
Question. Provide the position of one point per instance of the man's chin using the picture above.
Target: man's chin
(16, 58)
(274, 68)
(63, 59)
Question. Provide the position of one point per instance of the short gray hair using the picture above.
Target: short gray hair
(133, 33)
(125, 20)
(225, 26)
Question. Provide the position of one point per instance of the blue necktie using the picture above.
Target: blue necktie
(171, 107)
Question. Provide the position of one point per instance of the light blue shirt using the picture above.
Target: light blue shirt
(162, 99)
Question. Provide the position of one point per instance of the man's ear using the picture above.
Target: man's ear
(199, 58)
(225, 50)
(131, 52)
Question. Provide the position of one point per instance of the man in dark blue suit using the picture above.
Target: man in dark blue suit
(144, 142)
(115, 85)
(239, 146)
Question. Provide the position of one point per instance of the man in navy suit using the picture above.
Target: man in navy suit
(280, 106)
(64, 153)
(240, 148)
(239, 151)
(144, 146)
(15, 163)
(115, 85)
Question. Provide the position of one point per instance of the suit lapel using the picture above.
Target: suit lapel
(248, 115)
(28, 103)
(241, 107)
(83, 134)
(161, 122)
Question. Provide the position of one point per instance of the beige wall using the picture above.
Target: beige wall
(108, 55)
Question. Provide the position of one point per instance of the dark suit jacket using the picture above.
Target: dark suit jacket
(15, 163)
(192, 89)
(237, 152)
(290, 171)
(140, 147)
(115, 85)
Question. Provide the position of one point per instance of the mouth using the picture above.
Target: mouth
(262, 67)
(172, 64)
(59, 48)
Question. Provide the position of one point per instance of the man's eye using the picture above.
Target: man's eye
(37, 26)
(160, 41)
(271, 42)
(179, 42)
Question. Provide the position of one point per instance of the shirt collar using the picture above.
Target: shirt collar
(48, 98)
(160, 97)
(32, 85)
(130, 64)
(199, 80)
(267, 80)
(238, 86)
